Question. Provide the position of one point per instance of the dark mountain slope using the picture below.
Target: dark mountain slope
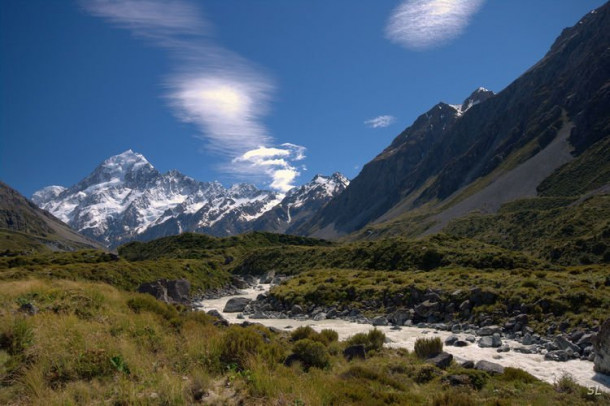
(24, 226)
(444, 152)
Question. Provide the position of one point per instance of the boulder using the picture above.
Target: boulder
(488, 330)
(168, 291)
(221, 320)
(427, 308)
(380, 321)
(494, 341)
(239, 283)
(236, 305)
(452, 339)
(467, 364)
(601, 347)
(28, 308)
(564, 344)
(490, 367)
(354, 351)
(585, 341)
(320, 316)
(460, 343)
(457, 380)
(557, 355)
(442, 360)
(400, 316)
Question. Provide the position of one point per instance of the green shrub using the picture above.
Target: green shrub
(478, 379)
(239, 344)
(425, 373)
(311, 353)
(328, 336)
(303, 332)
(372, 341)
(428, 347)
(148, 303)
(516, 374)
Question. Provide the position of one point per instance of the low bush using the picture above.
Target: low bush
(148, 303)
(425, 373)
(311, 353)
(516, 374)
(372, 341)
(428, 347)
(239, 344)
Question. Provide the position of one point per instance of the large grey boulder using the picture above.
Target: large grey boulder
(236, 305)
(442, 360)
(489, 367)
(488, 330)
(427, 308)
(494, 341)
(601, 346)
(380, 321)
(169, 291)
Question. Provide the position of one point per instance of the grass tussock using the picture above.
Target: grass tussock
(428, 347)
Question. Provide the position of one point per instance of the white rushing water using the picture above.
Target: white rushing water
(549, 371)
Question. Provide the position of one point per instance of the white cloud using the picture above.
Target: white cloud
(423, 24)
(380, 121)
(275, 162)
(223, 94)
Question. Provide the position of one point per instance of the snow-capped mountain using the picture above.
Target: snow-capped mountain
(301, 203)
(125, 198)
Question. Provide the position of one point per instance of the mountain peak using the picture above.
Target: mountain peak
(127, 160)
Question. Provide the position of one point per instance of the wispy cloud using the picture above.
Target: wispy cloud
(277, 163)
(380, 121)
(423, 24)
(222, 93)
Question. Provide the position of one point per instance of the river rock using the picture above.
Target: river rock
(488, 330)
(527, 339)
(442, 360)
(236, 305)
(493, 341)
(601, 346)
(557, 355)
(399, 317)
(565, 345)
(320, 316)
(585, 341)
(452, 339)
(380, 321)
(489, 367)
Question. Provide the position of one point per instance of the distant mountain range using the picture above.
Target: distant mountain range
(125, 198)
(539, 150)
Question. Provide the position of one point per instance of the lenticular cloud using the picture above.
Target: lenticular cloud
(424, 24)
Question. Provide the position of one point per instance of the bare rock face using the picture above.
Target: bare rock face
(601, 347)
(168, 291)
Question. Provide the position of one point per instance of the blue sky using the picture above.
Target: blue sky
(270, 92)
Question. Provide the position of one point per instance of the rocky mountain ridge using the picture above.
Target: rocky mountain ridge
(125, 198)
(432, 163)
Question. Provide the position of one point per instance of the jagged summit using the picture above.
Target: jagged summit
(478, 96)
(126, 198)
